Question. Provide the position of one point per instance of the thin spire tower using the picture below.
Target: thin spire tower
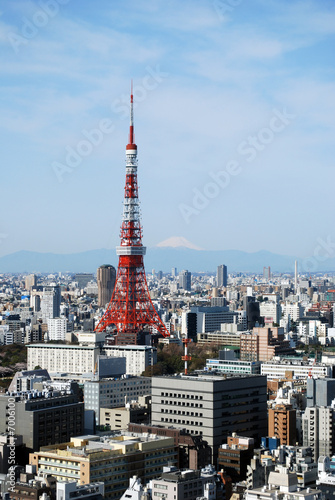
(130, 309)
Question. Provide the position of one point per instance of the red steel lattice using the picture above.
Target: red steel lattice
(130, 308)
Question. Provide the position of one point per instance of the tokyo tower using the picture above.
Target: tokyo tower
(130, 308)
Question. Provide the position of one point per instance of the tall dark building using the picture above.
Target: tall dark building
(106, 275)
(185, 280)
(222, 276)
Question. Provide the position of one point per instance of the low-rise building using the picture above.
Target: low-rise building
(234, 366)
(235, 456)
(112, 460)
(58, 358)
(119, 418)
(138, 357)
(282, 485)
(280, 368)
(114, 392)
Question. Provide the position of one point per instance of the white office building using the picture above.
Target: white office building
(318, 424)
(57, 328)
(138, 357)
(50, 304)
(278, 368)
(270, 311)
(60, 358)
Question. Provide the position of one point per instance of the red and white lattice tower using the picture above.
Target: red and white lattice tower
(130, 308)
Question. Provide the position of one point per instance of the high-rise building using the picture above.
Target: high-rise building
(114, 392)
(221, 276)
(30, 281)
(185, 280)
(51, 300)
(106, 281)
(174, 272)
(270, 311)
(320, 391)
(267, 273)
(282, 424)
(138, 357)
(318, 428)
(211, 406)
(57, 328)
(58, 358)
(234, 456)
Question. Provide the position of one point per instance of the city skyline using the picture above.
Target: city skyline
(234, 124)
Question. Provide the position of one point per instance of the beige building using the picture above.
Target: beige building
(112, 460)
(106, 281)
(119, 418)
(264, 343)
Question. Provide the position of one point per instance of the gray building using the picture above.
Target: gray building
(185, 280)
(211, 406)
(189, 484)
(49, 414)
(114, 392)
(320, 391)
(204, 319)
(318, 428)
(51, 300)
(222, 276)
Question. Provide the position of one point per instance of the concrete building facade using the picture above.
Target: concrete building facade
(138, 357)
(264, 343)
(106, 276)
(56, 358)
(318, 426)
(111, 460)
(221, 276)
(44, 417)
(211, 406)
(282, 424)
(114, 392)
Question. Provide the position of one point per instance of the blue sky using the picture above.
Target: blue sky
(234, 121)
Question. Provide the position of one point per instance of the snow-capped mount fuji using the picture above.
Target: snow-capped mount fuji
(176, 242)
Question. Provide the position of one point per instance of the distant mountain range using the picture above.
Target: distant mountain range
(159, 258)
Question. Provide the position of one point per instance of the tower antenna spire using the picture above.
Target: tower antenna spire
(131, 128)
